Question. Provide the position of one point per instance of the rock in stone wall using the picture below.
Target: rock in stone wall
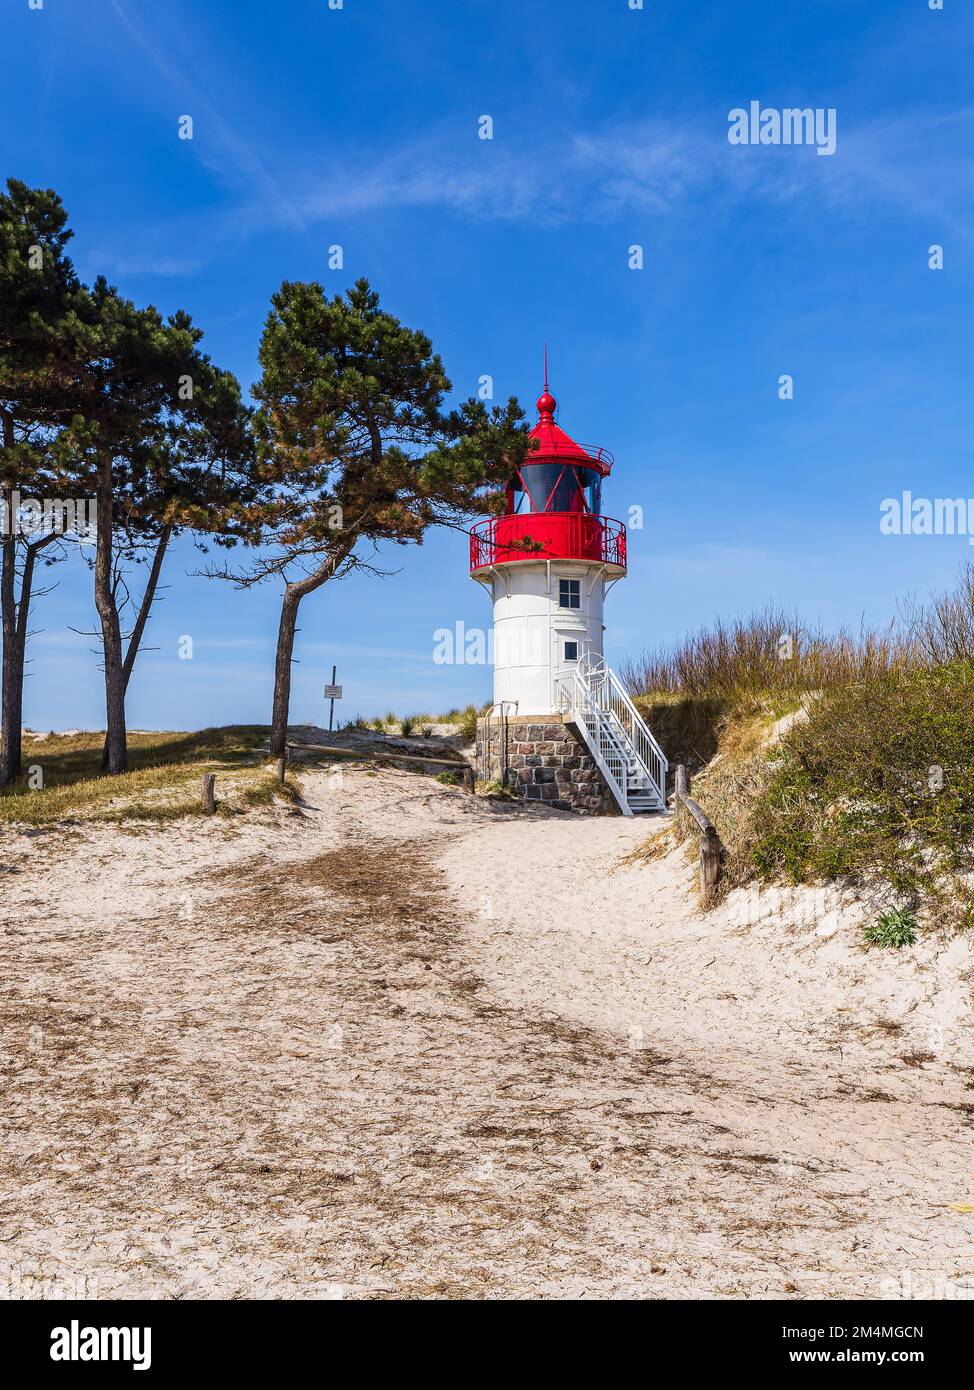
(546, 760)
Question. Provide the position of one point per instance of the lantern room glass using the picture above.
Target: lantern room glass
(555, 487)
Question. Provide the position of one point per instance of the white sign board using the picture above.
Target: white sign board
(333, 692)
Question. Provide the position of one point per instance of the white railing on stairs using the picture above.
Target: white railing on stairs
(575, 696)
(628, 754)
(614, 698)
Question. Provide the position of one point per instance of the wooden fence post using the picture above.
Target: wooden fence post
(209, 792)
(709, 861)
(282, 765)
(710, 846)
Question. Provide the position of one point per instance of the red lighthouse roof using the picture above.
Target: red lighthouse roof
(555, 445)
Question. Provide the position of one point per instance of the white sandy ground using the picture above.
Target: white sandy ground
(406, 1043)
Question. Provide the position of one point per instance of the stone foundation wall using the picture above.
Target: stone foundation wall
(546, 761)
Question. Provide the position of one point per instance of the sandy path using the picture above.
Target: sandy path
(409, 1044)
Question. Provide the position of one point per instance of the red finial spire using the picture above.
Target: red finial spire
(547, 405)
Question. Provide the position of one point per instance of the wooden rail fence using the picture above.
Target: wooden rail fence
(710, 846)
(464, 770)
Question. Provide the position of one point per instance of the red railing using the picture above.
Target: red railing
(547, 536)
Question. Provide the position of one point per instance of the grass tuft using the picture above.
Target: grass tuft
(896, 928)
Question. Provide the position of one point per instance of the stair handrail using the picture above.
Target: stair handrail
(647, 750)
(602, 685)
(586, 702)
(594, 688)
(638, 720)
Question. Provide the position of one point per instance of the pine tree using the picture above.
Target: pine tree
(162, 439)
(100, 398)
(198, 477)
(38, 293)
(353, 440)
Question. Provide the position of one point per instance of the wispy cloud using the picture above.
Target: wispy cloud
(119, 261)
(591, 175)
(917, 164)
(921, 166)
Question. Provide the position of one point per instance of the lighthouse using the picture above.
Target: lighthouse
(562, 727)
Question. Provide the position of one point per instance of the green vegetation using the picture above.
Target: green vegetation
(94, 404)
(163, 781)
(895, 929)
(496, 789)
(832, 759)
(467, 723)
(463, 722)
(449, 779)
(878, 781)
(457, 722)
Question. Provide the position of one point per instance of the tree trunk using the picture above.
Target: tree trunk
(14, 615)
(293, 594)
(282, 669)
(132, 650)
(111, 630)
(11, 681)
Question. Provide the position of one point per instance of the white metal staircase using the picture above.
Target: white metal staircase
(627, 755)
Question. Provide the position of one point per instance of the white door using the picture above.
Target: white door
(568, 648)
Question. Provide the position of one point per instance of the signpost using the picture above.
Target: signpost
(333, 692)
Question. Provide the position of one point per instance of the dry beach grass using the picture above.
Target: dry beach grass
(163, 783)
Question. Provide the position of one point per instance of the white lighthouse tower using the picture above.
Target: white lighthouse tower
(548, 563)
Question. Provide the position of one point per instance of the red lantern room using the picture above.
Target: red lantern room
(554, 505)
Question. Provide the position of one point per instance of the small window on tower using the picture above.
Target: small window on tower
(569, 593)
(571, 651)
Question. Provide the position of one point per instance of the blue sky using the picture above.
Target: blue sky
(359, 126)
